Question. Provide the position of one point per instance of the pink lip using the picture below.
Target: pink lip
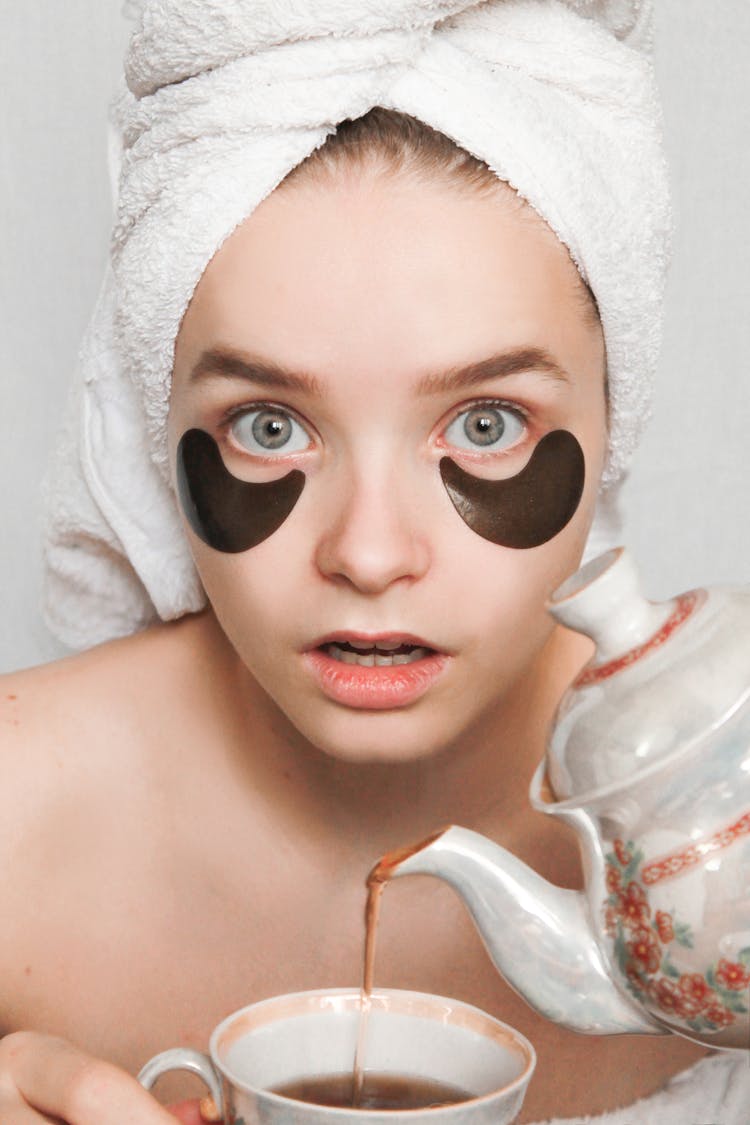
(377, 688)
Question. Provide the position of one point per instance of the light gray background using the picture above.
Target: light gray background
(688, 500)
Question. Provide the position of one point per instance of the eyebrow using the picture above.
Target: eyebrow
(229, 364)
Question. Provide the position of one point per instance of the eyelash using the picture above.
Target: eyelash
(491, 404)
(520, 412)
(224, 424)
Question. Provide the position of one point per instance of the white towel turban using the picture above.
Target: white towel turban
(223, 99)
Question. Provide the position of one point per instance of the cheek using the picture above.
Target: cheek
(527, 533)
(228, 514)
(502, 592)
(528, 509)
(238, 585)
(258, 596)
(508, 590)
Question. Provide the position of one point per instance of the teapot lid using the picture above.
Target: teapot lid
(662, 673)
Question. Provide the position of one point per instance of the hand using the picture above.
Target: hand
(44, 1079)
(195, 1112)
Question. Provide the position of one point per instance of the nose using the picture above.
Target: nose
(372, 537)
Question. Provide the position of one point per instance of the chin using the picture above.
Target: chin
(379, 738)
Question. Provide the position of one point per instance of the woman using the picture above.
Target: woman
(372, 663)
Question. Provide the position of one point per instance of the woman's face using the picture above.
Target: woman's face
(329, 335)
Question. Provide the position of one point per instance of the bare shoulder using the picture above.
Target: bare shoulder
(84, 809)
(77, 735)
(92, 700)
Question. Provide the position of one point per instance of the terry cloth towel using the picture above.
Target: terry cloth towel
(715, 1091)
(222, 99)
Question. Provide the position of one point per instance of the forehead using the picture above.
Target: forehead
(371, 273)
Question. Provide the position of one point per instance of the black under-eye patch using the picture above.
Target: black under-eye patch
(528, 509)
(228, 514)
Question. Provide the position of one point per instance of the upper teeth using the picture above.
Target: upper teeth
(384, 646)
(372, 658)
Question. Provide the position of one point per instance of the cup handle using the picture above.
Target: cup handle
(184, 1058)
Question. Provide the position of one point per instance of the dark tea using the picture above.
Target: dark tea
(378, 1091)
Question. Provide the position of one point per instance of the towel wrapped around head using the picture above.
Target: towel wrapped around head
(223, 99)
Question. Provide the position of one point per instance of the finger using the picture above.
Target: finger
(14, 1110)
(60, 1080)
(195, 1112)
(208, 1109)
(24, 1115)
(187, 1113)
(21, 1114)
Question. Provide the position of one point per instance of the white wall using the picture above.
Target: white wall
(59, 63)
(688, 501)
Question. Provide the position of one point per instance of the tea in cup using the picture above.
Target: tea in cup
(290, 1061)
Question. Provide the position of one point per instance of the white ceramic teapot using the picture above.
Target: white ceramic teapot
(649, 762)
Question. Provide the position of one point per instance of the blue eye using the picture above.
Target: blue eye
(487, 428)
(269, 430)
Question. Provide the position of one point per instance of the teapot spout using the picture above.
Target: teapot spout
(539, 936)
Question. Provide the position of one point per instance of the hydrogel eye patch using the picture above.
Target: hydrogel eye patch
(228, 514)
(528, 509)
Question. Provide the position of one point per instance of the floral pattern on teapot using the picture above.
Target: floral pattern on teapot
(646, 950)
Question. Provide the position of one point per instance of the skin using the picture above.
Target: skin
(530, 508)
(186, 820)
(374, 542)
(226, 513)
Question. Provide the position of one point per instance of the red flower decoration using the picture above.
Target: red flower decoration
(666, 995)
(732, 975)
(697, 988)
(632, 906)
(664, 926)
(645, 950)
(610, 920)
(686, 1007)
(622, 853)
(614, 882)
(718, 1015)
(636, 978)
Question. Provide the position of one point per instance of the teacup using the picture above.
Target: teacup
(312, 1035)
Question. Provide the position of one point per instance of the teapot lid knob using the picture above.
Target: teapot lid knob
(603, 600)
